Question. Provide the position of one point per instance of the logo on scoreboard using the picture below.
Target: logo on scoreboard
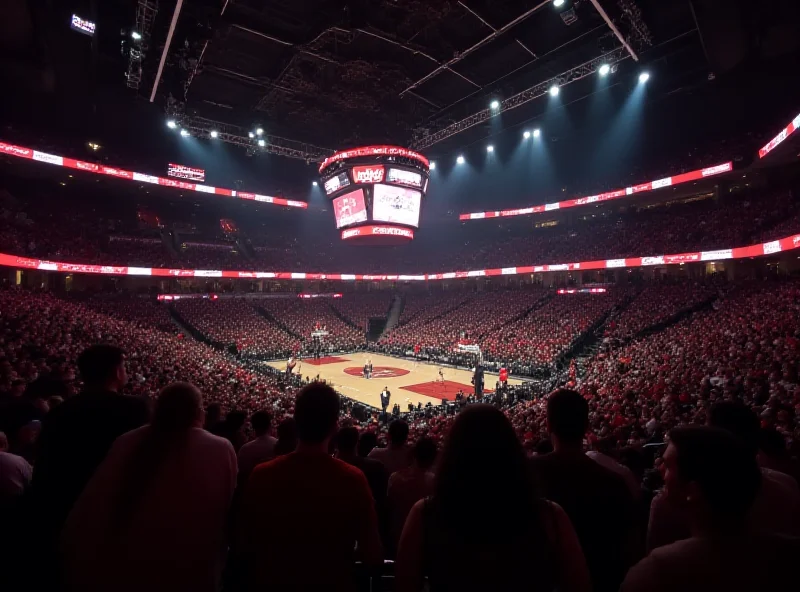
(368, 174)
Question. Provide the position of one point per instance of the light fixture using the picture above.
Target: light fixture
(214, 133)
(495, 105)
(251, 135)
(526, 134)
(460, 160)
(185, 133)
(558, 3)
(537, 132)
(259, 132)
(432, 165)
(644, 77)
(314, 183)
(136, 35)
(171, 124)
(554, 90)
(94, 146)
(262, 143)
(604, 69)
(490, 148)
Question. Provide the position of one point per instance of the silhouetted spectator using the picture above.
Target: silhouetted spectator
(486, 527)
(153, 515)
(596, 499)
(715, 479)
(76, 437)
(287, 437)
(408, 486)
(397, 455)
(259, 450)
(305, 492)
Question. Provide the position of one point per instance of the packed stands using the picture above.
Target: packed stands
(234, 321)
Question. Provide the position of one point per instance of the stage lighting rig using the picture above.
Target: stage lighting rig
(604, 70)
(490, 148)
(233, 134)
(644, 77)
(432, 165)
(427, 137)
(495, 105)
(526, 134)
(460, 160)
(553, 90)
(537, 132)
(146, 11)
(171, 124)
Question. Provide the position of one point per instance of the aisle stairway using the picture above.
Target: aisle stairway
(395, 310)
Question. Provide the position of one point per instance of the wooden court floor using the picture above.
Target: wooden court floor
(368, 390)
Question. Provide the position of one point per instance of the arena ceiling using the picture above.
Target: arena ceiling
(338, 73)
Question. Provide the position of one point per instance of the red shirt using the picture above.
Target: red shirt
(300, 519)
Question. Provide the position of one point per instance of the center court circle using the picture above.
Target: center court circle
(377, 371)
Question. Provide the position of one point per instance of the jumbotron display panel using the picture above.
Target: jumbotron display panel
(376, 192)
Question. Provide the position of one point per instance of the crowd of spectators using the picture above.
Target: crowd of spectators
(235, 321)
(101, 233)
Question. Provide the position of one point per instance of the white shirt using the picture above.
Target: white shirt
(175, 537)
(394, 459)
(15, 475)
(256, 452)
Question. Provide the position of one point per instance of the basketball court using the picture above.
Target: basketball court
(409, 382)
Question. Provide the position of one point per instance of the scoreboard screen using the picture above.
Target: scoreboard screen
(336, 183)
(184, 172)
(350, 208)
(396, 204)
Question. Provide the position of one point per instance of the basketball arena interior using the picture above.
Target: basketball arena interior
(442, 210)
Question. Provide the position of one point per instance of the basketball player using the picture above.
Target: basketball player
(290, 365)
(441, 375)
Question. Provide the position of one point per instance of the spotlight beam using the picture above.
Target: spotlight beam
(613, 27)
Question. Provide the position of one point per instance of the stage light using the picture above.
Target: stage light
(262, 143)
(136, 35)
(314, 183)
(495, 105)
(644, 77)
(185, 133)
(460, 160)
(526, 135)
(259, 132)
(94, 146)
(604, 69)
(554, 90)
(537, 132)
(251, 135)
(171, 124)
(490, 148)
(214, 133)
(432, 166)
(558, 3)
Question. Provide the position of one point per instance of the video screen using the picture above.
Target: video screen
(395, 204)
(334, 184)
(350, 208)
(403, 177)
(184, 172)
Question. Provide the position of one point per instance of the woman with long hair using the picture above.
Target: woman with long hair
(485, 527)
(153, 515)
